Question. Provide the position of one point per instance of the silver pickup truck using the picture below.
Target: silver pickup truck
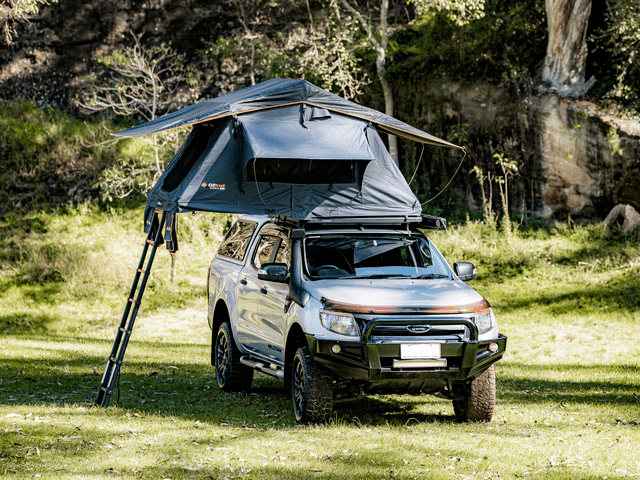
(339, 309)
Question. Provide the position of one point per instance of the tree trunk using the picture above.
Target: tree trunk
(564, 65)
(388, 102)
(380, 46)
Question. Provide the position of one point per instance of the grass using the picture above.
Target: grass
(568, 299)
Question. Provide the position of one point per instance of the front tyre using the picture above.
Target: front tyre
(478, 398)
(311, 389)
(231, 375)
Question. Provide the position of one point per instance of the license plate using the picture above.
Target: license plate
(420, 350)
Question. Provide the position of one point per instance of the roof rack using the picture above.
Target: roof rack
(428, 222)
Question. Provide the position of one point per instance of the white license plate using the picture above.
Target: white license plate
(420, 350)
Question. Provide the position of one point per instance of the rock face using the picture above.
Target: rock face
(572, 157)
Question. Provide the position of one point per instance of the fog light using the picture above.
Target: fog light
(336, 348)
(493, 347)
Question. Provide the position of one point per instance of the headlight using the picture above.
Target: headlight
(485, 320)
(338, 322)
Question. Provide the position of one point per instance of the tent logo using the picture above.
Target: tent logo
(214, 186)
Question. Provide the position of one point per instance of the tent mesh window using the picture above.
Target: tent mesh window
(305, 172)
(195, 146)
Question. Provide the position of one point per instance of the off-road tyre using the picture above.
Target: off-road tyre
(231, 375)
(311, 389)
(478, 398)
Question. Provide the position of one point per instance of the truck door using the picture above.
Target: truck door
(235, 247)
(273, 247)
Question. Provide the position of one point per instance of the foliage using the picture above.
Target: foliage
(617, 48)
(500, 40)
(326, 58)
(509, 168)
(139, 83)
(13, 11)
(460, 12)
(321, 48)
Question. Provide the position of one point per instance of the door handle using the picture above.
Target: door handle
(263, 290)
(243, 281)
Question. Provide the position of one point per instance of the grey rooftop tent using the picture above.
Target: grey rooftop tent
(286, 148)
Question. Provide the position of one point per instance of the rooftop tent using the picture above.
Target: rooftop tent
(284, 147)
(277, 164)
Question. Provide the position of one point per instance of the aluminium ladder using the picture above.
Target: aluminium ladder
(114, 363)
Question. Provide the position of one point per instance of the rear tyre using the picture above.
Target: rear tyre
(478, 398)
(311, 389)
(231, 375)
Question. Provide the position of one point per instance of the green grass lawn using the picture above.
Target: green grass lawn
(567, 298)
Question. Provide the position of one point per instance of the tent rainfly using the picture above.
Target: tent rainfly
(286, 148)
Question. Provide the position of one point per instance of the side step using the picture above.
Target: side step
(258, 365)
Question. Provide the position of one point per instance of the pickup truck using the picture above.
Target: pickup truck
(338, 309)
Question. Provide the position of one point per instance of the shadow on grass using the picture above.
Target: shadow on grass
(616, 385)
(22, 323)
(621, 295)
(50, 372)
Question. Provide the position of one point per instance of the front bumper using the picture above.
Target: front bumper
(373, 361)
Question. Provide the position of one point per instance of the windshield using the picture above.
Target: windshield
(373, 256)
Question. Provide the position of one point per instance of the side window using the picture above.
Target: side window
(236, 241)
(273, 247)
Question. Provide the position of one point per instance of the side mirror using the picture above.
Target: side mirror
(465, 271)
(274, 272)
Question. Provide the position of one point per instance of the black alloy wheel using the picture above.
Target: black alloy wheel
(231, 375)
(311, 389)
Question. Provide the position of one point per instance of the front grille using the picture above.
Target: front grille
(411, 328)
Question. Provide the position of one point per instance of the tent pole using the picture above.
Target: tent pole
(114, 363)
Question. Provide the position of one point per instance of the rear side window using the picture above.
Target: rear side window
(237, 240)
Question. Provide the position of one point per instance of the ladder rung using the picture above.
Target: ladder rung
(150, 242)
(132, 300)
(140, 270)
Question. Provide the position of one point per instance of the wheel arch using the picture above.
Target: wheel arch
(220, 315)
(296, 338)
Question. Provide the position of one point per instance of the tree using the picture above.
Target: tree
(13, 11)
(565, 62)
(139, 82)
(379, 40)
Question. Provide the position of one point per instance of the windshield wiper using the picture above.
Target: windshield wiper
(432, 275)
(382, 275)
